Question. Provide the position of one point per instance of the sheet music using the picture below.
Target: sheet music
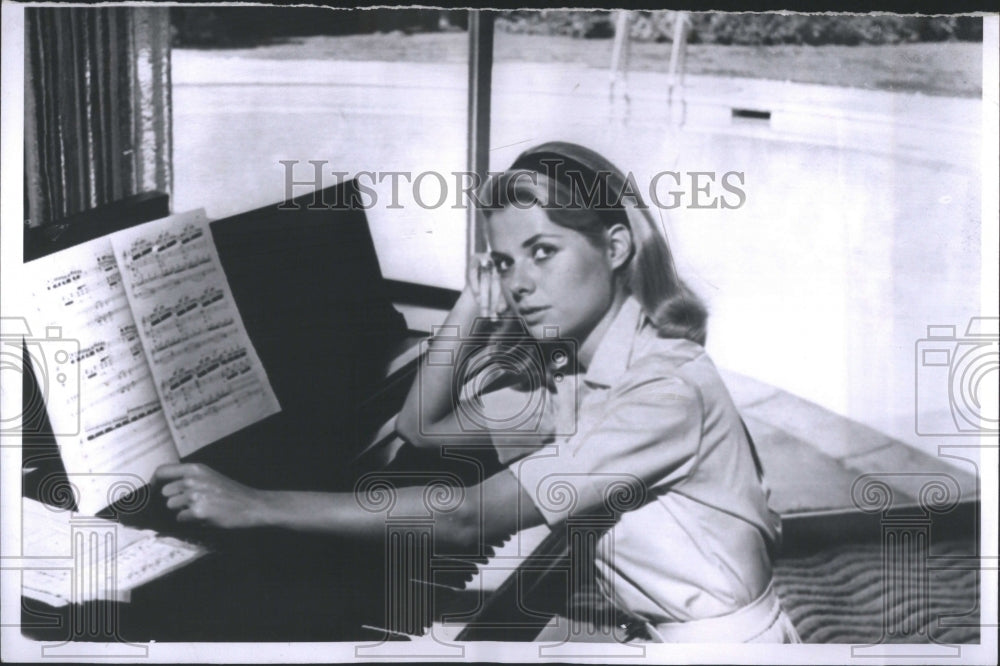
(93, 375)
(205, 368)
(139, 557)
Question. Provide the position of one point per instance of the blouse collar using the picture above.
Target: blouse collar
(611, 359)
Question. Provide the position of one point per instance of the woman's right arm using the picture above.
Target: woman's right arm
(200, 494)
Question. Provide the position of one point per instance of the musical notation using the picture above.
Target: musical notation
(131, 415)
(87, 295)
(223, 377)
(60, 281)
(152, 557)
(168, 254)
(103, 265)
(183, 322)
(129, 334)
(200, 356)
(166, 285)
(146, 437)
(109, 363)
(64, 576)
(179, 346)
(96, 348)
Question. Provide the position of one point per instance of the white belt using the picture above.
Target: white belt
(740, 626)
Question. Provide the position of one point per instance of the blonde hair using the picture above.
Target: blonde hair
(569, 201)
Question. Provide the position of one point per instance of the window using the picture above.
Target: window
(827, 216)
(260, 93)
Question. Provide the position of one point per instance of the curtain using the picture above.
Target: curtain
(97, 107)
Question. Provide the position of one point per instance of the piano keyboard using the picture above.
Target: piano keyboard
(498, 567)
(461, 585)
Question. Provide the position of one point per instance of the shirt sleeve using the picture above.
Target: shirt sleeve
(646, 436)
(512, 408)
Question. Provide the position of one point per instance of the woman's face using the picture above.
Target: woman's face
(550, 275)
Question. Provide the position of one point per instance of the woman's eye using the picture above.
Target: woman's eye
(540, 252)
(502, 265)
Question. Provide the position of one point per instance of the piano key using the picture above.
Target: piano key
(508, 557)
(461, 585)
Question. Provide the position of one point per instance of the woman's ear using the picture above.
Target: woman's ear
(619, 245)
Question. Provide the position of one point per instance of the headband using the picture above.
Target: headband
(558, 160)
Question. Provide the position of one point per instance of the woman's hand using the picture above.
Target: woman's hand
(200, 494)
(483, 282)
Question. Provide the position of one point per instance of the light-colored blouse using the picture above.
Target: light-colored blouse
(650, 428)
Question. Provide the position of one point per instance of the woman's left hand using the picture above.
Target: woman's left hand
(483, 280)
(200, 494)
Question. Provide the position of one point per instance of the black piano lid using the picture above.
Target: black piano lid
(308, 285)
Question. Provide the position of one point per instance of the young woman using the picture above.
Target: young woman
(634, 425)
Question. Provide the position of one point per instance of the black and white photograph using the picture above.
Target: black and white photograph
(398, 334)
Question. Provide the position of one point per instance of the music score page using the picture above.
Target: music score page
(204, 367)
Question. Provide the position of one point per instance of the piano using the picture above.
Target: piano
(340, 359)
